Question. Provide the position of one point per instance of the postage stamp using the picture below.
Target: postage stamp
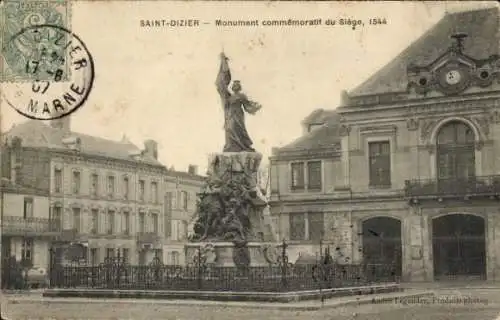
(64, 91)
(27, 58)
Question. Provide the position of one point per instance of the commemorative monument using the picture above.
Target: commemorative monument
(230, 229)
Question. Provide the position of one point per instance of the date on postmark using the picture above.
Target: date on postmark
(60, 91)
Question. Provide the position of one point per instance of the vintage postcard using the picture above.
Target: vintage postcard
(249, 159)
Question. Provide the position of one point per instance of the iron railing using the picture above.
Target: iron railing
(261, 279)
(460, 187)
(16, 225)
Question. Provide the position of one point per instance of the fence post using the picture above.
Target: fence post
(284, 265)
(200, 273)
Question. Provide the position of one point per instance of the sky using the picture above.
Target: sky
(158, 83)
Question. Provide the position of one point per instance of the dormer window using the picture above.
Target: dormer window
(73, 143)
(314, 126)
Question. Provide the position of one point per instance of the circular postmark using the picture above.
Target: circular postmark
(59, 73)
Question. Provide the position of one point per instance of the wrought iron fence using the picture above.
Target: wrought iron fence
(115, 274)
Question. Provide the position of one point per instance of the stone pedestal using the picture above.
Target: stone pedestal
(220, 254)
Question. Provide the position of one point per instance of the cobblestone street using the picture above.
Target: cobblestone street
(484, 305)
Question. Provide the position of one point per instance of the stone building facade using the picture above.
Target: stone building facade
(406, 170)
(181, 190)
(107, 197)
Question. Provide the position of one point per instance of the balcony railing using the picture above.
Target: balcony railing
(16, 225)
(457, 187)
(147, 237)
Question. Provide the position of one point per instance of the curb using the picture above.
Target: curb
(363, 300)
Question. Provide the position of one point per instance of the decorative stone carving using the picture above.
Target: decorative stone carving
(483, 123)
(412, 124)
(427, 127)
(230, 203)
(479, 145)
(344, 130)
(453, 72)
(271, 253)
(494, 116)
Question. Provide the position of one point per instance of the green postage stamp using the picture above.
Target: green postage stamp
(33, 55)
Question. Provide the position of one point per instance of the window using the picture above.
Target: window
(111, 186)
(380, 163)
(185, 199)
(298, 179)
(94, 181)
(314, 175)
(141, 190)
(168, 213)
(142, 221)
(27, 250)
(57, 180)
(158, 254)
(95, 221)
(76, 182)
(110, 252)
(174, 258)
(455, 153)
(315, 226)
(56, 218)
(125, 255)
(111, 221)
(76, 219)
(155, 223)
(297, 226)
(126, 188)
(154, 192)
(28, 208)
(126, 222)
(94, 256)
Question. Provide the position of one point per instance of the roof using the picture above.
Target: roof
(319, 116)
(37, 134)
(326, 136)
(481, 27)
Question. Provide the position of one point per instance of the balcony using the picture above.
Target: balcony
(147, 237)
(19, 226)
(484, 186)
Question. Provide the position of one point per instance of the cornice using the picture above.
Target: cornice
(422, 104)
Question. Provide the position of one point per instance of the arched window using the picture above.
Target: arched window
(455, 151)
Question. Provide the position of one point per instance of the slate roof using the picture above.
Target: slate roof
(320, 116)
(324, 137)
(40, 135)
(481, 26)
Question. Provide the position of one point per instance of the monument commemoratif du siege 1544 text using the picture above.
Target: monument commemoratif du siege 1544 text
(229, 228)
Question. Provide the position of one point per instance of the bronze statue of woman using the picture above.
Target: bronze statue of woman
(235, 103)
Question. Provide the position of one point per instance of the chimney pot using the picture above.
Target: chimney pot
(192, 169)
(151, 148)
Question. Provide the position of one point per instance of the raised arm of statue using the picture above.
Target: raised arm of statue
(223, 78)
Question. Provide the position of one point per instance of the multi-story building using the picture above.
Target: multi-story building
(180, 207)
(406, 170)
(107, 195)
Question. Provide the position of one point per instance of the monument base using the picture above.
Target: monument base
(221, 254)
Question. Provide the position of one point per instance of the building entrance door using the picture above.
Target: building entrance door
(382, 246)
(459, 247)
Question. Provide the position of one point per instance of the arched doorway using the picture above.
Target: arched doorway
(455, 156)
(459, 246)
(382, 243)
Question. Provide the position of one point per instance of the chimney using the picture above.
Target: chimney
(151, 148)
(192, 169)
(63, 124)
